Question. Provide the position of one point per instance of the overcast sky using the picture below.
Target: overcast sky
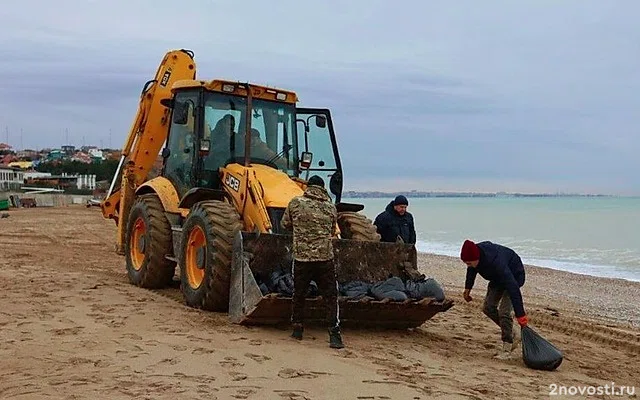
(449, 95)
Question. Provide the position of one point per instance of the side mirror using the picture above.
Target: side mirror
(166, 152)
(167, 102)
(305, 160)
(321, 121)
(205, 145)
(335, 183)
(180, 113)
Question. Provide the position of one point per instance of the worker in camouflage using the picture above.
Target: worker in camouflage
(312, 217)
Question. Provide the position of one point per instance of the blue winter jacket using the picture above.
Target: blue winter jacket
(503, 268)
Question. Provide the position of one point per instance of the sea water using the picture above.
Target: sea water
(597, 236)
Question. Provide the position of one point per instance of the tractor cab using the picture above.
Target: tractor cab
(216, 123)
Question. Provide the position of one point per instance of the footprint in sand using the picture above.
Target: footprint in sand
(201, 350)
(179, 347)
(290, 373)
(195, 338)
(244, 393)
(397, 355)
(257, 357)
(80, 360)
(131, 336)
(345, 354)
(231, 362)
(170, 361)
(237, 376)
(116, 323)
(206, 390)
(293, 394)
(67, 331)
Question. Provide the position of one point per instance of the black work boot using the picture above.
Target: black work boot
(297, 331)
(335, 339)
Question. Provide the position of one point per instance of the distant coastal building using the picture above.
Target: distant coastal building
(69, 149)
(21, 164)
(64, 181)
(82, 157)
(56, 154)
(11, 178)
(96, 155)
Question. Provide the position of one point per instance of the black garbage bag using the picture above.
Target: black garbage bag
(393, 288)
(419, 289)
(539, 353)
(260, 281)
(264, 289)
(281, 282)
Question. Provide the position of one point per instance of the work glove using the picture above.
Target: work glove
(523, 321)
(466, 295)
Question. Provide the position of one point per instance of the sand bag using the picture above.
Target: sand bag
(419, 289)
(539, 353)
(393, 288)
(355, 289)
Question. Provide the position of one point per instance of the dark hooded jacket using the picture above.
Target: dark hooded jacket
(503, 268)
(390, 225)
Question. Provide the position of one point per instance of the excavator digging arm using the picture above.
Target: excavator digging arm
(147, 135)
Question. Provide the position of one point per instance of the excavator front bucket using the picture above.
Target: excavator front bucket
(258, 255)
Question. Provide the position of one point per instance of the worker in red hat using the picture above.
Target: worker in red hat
(503, 268)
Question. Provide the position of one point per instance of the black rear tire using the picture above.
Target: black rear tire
(150, 269)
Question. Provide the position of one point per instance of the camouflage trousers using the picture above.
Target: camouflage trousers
(323, 273)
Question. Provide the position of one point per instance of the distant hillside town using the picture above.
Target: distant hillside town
(68, 169)
(89, 170)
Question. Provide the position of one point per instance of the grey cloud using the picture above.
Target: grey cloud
(519, 94)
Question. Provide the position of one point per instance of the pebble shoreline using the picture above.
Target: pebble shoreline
(592, 297)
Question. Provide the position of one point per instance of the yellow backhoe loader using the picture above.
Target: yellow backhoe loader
(234, 155)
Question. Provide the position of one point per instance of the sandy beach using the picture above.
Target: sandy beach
(72, 327)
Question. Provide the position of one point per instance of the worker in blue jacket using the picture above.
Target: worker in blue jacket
(503, 268)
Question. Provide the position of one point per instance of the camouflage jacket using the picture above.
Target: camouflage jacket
(313, 218)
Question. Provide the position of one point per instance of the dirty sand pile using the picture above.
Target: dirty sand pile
(72, 327)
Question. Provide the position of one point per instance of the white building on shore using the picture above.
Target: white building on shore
(11, 178)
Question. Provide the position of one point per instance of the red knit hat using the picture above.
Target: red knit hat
(470, 251)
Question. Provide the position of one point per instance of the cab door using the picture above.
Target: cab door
(181, 142)
(316, 135)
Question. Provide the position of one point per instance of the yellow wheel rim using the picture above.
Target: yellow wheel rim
(195, 257)
(138, 243)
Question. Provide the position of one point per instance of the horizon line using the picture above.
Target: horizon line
(482, 193)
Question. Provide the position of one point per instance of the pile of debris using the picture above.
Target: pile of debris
(393, 288)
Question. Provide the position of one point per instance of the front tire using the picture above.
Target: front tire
(205, 262)
(148, 240)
